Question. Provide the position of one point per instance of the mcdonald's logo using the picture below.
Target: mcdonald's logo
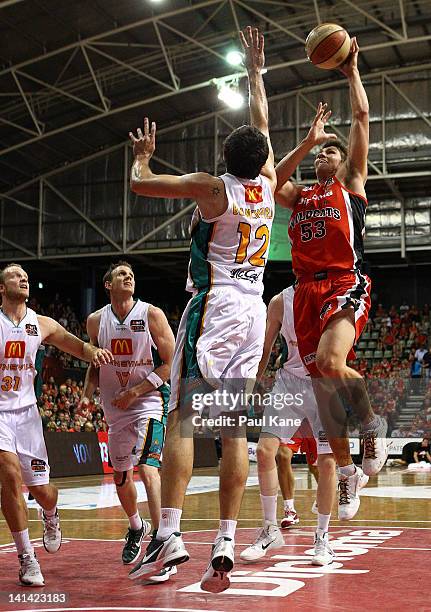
(253, 194)
(121, 346)
(14, 349)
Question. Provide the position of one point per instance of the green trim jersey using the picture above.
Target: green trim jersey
(135, 356)
(232, 249)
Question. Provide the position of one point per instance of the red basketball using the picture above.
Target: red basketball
(328, 45)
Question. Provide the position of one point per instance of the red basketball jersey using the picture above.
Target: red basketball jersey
(326, 229)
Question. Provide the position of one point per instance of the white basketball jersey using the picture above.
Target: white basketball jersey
(135, 356)
(232, 249)
(293, 363)
(18, 348)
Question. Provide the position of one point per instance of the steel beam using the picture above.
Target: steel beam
(184, 211)
(71, 205)
(368, 15)
(172, 74)
(114, 31)
(130, 67)
(95, 80)
(27, 103)
(407, 99)
(267, 19)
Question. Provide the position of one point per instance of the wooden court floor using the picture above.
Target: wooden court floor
(383, 556)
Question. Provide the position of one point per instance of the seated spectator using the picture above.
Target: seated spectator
(422, 452)
(415, 369)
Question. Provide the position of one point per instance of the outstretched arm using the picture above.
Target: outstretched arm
(288, 192)
(53, 333)
(253, 44)
(207, 189)
(354, 172)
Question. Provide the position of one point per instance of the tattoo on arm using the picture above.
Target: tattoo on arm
(216, 191)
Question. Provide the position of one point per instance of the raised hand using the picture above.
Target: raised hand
(351, 63)
(253, 45)
(317, 134)
(145, 143)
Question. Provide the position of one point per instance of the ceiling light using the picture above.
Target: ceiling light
(231, 97)
(234, 57)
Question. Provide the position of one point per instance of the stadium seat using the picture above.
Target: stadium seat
(378, 354)
(362, 345)
(372, 344)
(366, 336)
(375, 335)
(369, 354)
(359, 354)
(387, 354)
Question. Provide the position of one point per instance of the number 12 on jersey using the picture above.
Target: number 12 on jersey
(257, 258)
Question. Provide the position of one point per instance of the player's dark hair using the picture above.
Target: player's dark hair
(3, 270)
(107, 277)
(245, 151)
(338, 145)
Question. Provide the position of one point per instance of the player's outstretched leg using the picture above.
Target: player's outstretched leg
(233, 476)
(326, 491)
(269, 536)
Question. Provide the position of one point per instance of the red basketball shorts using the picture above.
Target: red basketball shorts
(316, 301)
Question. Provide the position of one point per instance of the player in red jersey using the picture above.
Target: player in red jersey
(332, 296)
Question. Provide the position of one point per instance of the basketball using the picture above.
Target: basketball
(328, 45)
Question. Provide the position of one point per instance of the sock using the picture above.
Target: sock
(269, 507)
(323, 523)
(135, 521)
(226, 529)
(289, 504)
(347, 470)
(50, 512)
(22, 542)
(169, 522)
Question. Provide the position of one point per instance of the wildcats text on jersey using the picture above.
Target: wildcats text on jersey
(317, 213)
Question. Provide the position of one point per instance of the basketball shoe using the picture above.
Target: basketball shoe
(375, 447)
(160, 554)
(132, 547)
(51, 532)
(269, 537)
(323, 553)
(289, 520)
(162, 576)
(348, 488)
(29, 571)
(217, 576)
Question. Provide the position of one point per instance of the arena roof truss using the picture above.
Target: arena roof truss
(68, 99)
